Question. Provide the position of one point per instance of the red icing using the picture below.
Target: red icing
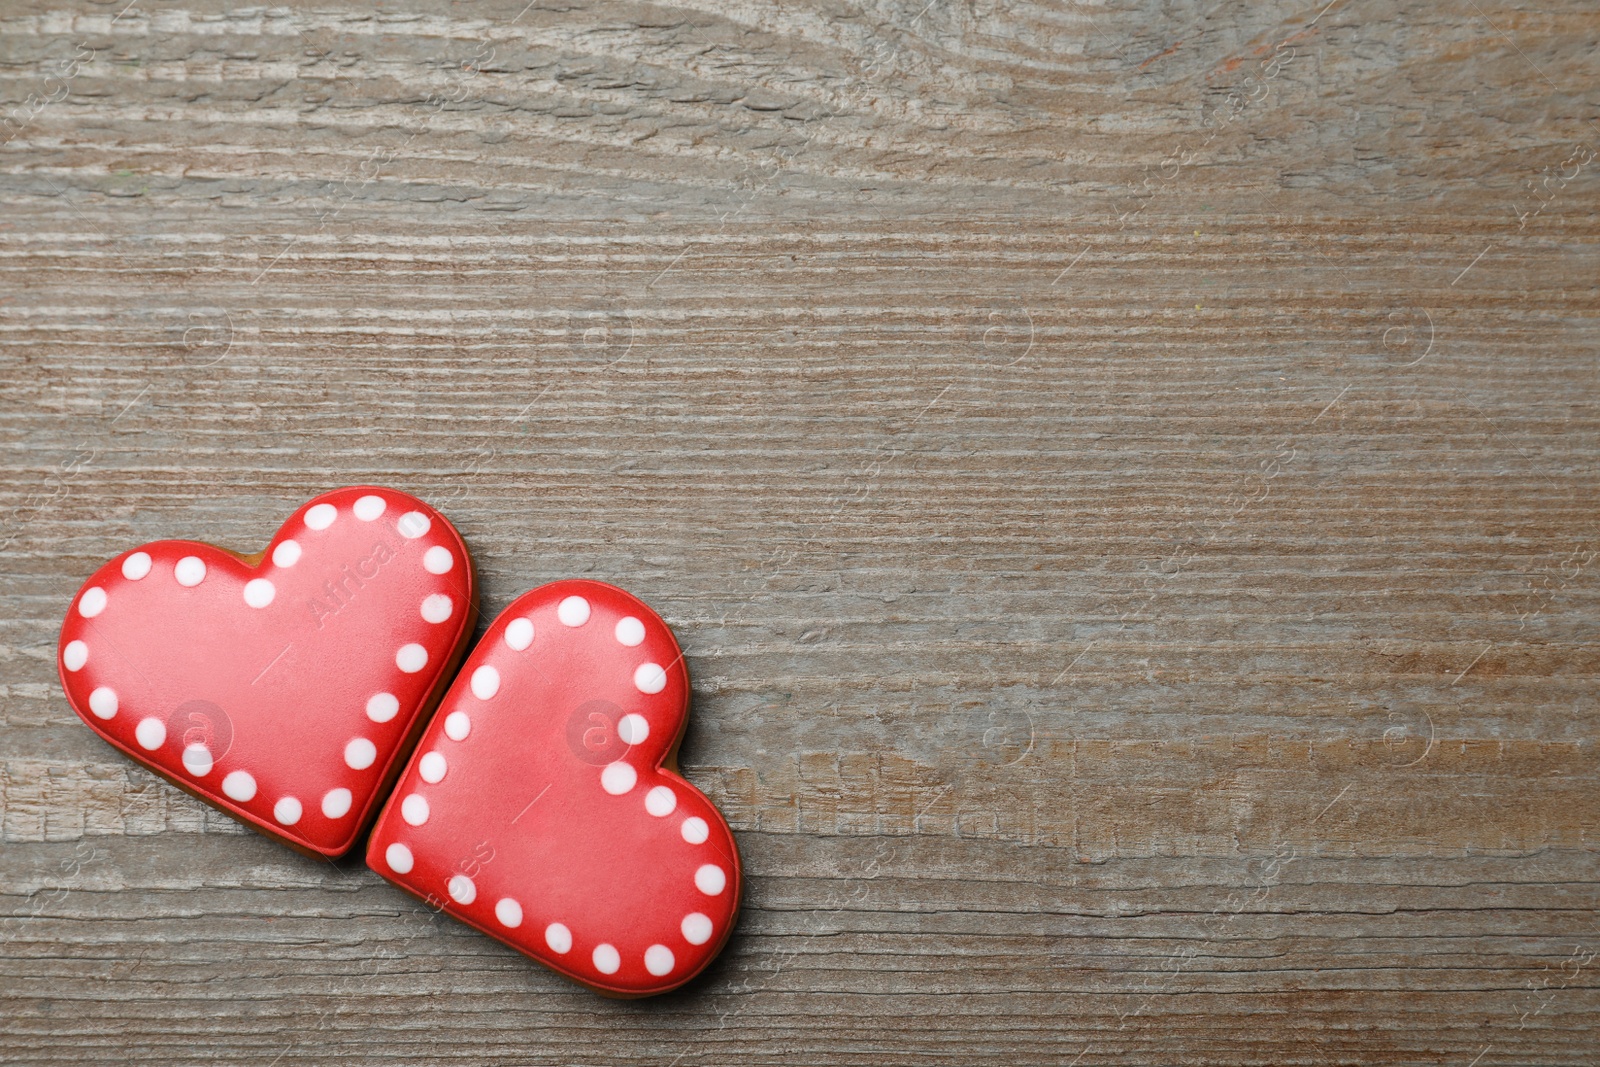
(522, 813)
(276, 692)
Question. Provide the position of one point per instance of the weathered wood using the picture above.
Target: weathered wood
(1125, 480)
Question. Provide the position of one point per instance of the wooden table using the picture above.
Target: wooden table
(1124, 476)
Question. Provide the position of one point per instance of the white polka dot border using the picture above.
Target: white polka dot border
(369, 508)
(660, 801)
(710, 879)
(151, 734)
(559, 938)
(618, 778)
(438, 560)
(258, 592)
(650, 678)
(633, 729)
(92, 603)
(381, 707)
(696, 928)
(197, 760)
(437, 608)
(457, 726)
(288, 810)
(287, 554)
(607, 960)
(463, 890)
(695, 831)
(103, 702)
(509, 912)
(136, 566)
(411, 658)
(414, 809)
(399, 858)
(519, 634)
(239, 785)
(359, 754)
(336, 803)
(658, 960)
(573, 611)
(485, 682)
(190, 571)
(321, 516)
(75, 655)
(432, 768)
(630, 631)
(413, 524)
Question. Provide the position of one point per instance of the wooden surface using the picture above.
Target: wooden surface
(1124, 475)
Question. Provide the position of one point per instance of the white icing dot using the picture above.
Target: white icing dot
(559, 938)
(75, 655)
(573, 611)
(607, 959)
(151, 734)
(239, 785)
(650, 678)
(190, 571)
(618, 778)
(197, 760)
(509, 912)
(381, 707)
(710, 879)
(485, 682)
(93, 602)
(658, 960)
(103, 702)
(258, 592)
(432, 768)
(462, 889)
(369, 508)
(411, 658)
(136, 566)
(660, 801)
(336, 803)
(695, 830)
(321, 517)
(413, 524)
(288, 810)
(633, 729)
(457, 726)
(399, 858)
(438, 560)
(696, 928)
(630, 631)
(414, 809)
(437, 607)
(519, 634)
(360, 753)
(287, 554)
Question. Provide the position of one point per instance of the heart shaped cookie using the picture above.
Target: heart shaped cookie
(543, 805)
(285, 688)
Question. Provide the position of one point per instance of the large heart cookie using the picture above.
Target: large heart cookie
(287, 687)
(543, 805)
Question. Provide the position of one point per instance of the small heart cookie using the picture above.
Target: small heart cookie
(543, 805)
(286, 687)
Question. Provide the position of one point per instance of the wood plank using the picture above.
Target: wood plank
(1124, 478)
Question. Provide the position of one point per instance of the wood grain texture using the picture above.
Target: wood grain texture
(1124, 476)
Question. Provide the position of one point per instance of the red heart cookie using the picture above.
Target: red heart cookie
(285, 688)
(544, 807)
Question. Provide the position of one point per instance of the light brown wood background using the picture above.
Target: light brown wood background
(1124, 474)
